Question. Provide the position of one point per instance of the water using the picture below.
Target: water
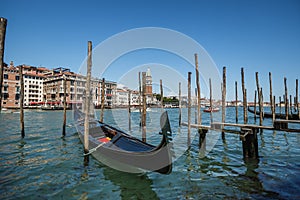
(46, 166)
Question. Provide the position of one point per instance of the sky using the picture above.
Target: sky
(259, 35)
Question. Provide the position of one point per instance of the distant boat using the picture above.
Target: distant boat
(137, 110)
(277, 115)
(209, 109)
(122, 151)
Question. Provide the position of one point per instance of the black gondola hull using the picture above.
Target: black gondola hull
(124, 152)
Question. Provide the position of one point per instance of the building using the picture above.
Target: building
(148, 82)
(121, 99)
(33, 78)
(45, 87)
(11, 87)
(109, 92)
(75, 88)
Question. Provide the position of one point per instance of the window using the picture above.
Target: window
(5, 96)
(5, 88)
(17, 89)
(17, 78)
(5, 76)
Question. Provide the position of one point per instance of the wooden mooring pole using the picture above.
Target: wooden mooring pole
(65, 107)
(236, 103)
(189, 105)
(259, 97)
(244, 97)
(21, 102)
(161, 95)
(291, 105)
(199, 117)
(271, 97)
(255, 94)
(179, 99)
(102, 100)
(210, 101)
(223, 99)
(3, 23)
(196, 114)
(297, 99)
(129, 110)
(280, 105)
(144, 113)
(286, 100)
(87, 103)
(140, 100)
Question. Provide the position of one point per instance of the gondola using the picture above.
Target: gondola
(124, 152)
(277, 115)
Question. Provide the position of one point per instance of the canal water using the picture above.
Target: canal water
(44, 165)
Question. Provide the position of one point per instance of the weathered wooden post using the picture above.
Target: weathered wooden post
(290, 108)
(274, 107)
(236, 103)
(286, 100)
(144, 113)
(3, 23)
(260, 107)
(65, 106)
(179, 99)
(140, 100)
(161, 95)
(223, 100)
(129, 110)
(249, 142)
(280, 105)
(244, 97)
(297, 99)
(189, 105)
(259, 91)
(199, 117)
(271, 97)
(196, 114)
(210, 102)
(102, 100)
(262, 103)
(255, 93)
(21, 102)
(87, 103)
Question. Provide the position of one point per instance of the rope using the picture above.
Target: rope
(93, 149)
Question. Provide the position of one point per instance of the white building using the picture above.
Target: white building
(33, 78)
(121, 97)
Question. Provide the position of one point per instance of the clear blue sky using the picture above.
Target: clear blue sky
(262, 35)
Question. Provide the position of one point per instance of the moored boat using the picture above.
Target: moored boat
(124, 152)
(209, 109)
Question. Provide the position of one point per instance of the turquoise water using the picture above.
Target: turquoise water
(44, 165)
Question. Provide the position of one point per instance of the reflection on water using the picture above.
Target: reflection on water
(45, 166)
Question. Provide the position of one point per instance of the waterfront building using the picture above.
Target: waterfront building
(109, 92)
(11, 87)
(33, 85)
(76, 85)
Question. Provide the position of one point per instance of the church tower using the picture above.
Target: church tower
(148, 82)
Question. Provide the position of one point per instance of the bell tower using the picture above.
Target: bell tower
(148, 82)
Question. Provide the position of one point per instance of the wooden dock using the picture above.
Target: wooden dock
(247, 132)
